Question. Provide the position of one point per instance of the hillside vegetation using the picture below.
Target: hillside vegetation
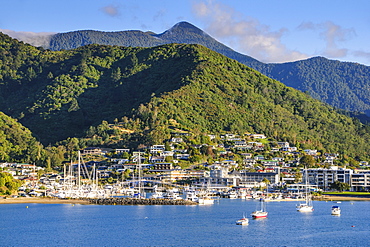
(17, 142)
(340, 84)
(61, 94)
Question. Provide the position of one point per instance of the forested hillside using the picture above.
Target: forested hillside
(17, 142)
(153, 90)
(340, 84)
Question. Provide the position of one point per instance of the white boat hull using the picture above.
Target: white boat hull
(259, 214)
(304, 208)
(205, 201)
(242, 221)
(335, 210)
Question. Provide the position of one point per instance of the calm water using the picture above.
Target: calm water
(206, 225)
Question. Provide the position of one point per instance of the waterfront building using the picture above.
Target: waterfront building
(360, 180)
(247, 178)
(179, 174)
(323, 177)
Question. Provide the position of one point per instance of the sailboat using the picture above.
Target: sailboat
(261, 213)
(141, 193)
(307, 205)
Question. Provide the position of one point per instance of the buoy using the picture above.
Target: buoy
(26, 206)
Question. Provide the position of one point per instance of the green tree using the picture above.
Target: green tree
(340, 186)
(307, 161)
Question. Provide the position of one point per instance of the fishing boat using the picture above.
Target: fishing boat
(335, 210)
(243, 221)
(307, 205)
(261, 213)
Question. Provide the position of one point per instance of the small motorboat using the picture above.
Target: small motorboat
(335, 210)
(243, 221)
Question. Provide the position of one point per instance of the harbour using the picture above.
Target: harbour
(36, 224)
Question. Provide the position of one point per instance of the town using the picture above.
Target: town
(239, 164)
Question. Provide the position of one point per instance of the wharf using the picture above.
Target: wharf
(139, 201)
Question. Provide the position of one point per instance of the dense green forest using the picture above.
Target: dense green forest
(340, 84)
(17, 142)
(60, 95)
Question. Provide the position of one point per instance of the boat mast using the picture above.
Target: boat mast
(305, 177)
(79, 170)
(139, 177)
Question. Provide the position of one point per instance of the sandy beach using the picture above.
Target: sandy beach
(43, 200)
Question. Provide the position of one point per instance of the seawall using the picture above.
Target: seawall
(139, 201)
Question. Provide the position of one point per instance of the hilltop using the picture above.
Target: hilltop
(60, 94)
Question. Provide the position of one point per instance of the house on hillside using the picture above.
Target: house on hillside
(283, 144)
(257, 136)
(156, 149)
(92, 150)
(162, 166)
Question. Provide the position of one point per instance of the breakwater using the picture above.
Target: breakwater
(139, 201)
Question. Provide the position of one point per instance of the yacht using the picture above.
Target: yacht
(307, 205)
(261, 213)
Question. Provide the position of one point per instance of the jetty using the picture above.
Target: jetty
(138, 201)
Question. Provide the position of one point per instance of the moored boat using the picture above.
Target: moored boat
(259, 214)
(304, 207)
(243, 221)
(206, 200)
(335, 210)
(307, 205)
(262, 213)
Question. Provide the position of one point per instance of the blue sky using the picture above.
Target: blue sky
(268, 30)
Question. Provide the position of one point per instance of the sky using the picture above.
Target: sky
(272, 31)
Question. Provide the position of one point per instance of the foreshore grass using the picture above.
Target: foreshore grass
(347, 193)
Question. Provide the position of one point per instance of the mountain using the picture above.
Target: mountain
(154, 91)
(341, 84)
(182, 32)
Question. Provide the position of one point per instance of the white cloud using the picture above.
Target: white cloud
(332, 34)
(32, 38)
(111, 10)
(246, 34)
(362, 54)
